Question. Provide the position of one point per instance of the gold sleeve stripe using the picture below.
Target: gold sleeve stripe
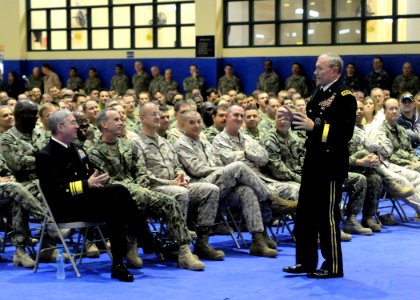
(325, 133)
(76, 187)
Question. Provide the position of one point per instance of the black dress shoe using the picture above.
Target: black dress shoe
(121, 273)
(324, 274)
(296, 269)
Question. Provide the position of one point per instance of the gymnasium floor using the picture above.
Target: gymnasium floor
(382, 266)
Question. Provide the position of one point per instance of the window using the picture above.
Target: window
(256, 23)
(110, 24)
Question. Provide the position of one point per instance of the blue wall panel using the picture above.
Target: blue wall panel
(247, 68)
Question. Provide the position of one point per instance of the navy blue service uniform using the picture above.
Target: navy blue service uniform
(326, 166)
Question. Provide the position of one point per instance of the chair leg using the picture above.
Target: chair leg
(44, 224)
(232, 235)
(405, 219)
(73, 263)
(238, 230)
(104, 242)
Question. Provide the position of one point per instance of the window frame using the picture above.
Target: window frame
(132, 27)
(305, 21)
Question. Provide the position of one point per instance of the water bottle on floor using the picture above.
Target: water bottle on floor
(60, 265)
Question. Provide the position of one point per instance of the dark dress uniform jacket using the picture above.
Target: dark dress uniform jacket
(334, 114)
(63, 175)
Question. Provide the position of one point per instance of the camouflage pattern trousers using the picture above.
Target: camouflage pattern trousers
(239, 184)
(405, 177)
(364, 191)
(17, 202)
(158, 205)
(201, 195)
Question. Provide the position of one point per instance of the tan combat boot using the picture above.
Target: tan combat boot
(187, 260)
(270, 243)
(202, 247)
(345, 237)
(132, 255)
(352, 226)
(281, 206)
(259, 246)
(400, 191)
(91, 250)
(370, 223)
(21, 258)
(417, 217)
(192, 234)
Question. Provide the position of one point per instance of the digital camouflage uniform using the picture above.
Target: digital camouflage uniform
(17, 202)
(37, 82)
(175, 133)
(375, 176)
(255, 135)
(92, 84)
(395, 154)
(266, 124)
(133, 124)
(119, 83)
(226, 84)
(246, 149)
(269, 82)
(190, 84)
(122, 162)
(154, 85)
(18, 150)
(161, 162)
(404, 84)
(297, 82)
(141, 82)
(211, 132)
(41, 137)
(75, 83)
(236, 181)
(168, 86)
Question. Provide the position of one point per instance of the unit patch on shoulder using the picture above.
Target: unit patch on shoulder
(346, 92)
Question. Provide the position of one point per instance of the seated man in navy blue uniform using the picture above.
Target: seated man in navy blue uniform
(77, 192)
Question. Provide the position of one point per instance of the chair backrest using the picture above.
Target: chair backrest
(48, 214)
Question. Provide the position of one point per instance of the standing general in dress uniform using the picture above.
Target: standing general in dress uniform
(329, 124)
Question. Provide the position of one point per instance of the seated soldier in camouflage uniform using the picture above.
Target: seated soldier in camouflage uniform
(237, 183)
(7, 120)
(167, 176)
(175, 132)
(251, 121)
(17, 202)
(18, 149)
(219, 121)
(232, 146)
(392, 144)
(120, 159)
(133, 123)
(41, 131)
(271, 106)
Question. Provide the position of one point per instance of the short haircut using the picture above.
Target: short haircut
(74, 69)
(334, 60)
(222, 107)
(103, 117)
(178, 105)
(47, 66)
(119, 66)
(57, 118)
(228, 65)
(229, 110)
(145, 106)
(389, 99)
(45, 107)
(163, 108)
(92, 69)
(77, 95)
(378, 57)
(84, 105)
(190, 113)
(210, 91)
(251, 108)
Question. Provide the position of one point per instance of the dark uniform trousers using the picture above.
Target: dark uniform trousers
(63, 175)
(325, 168)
